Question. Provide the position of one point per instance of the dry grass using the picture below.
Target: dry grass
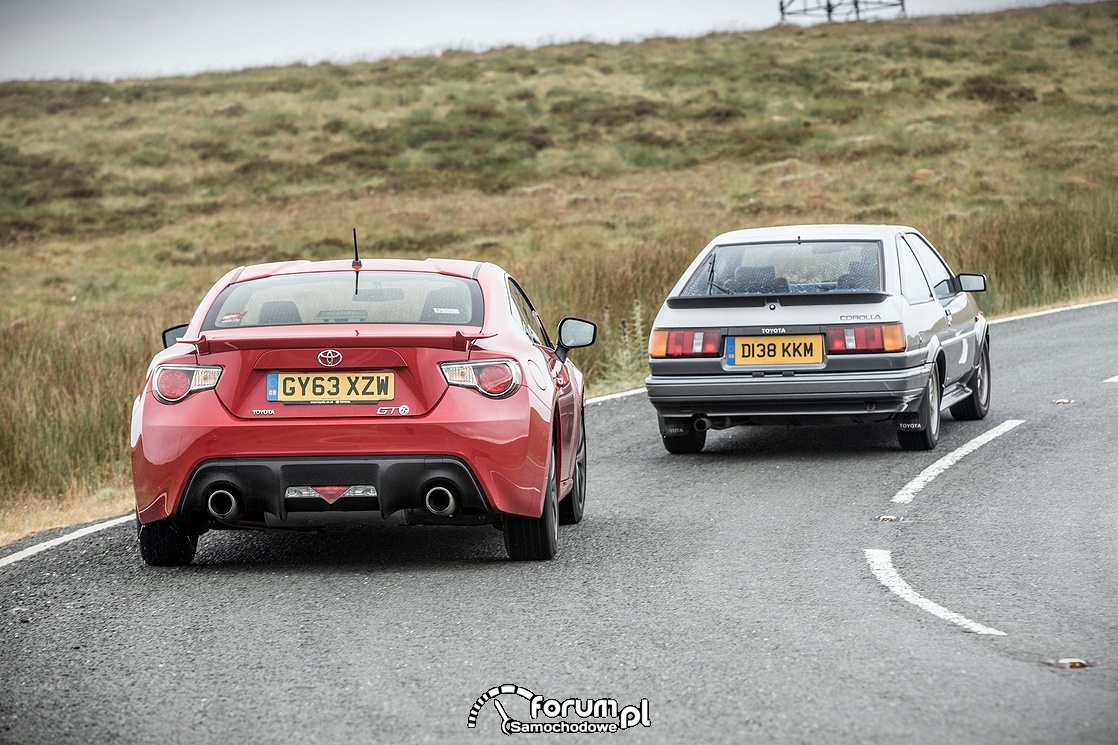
(29, 515)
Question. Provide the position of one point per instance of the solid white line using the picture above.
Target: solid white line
(612, 396)
(881, 564)
(910, 490)
(1050, 311)
(1112, 380)
(63, 539)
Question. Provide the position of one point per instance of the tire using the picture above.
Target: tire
(929, 415)
(687, 444)
(167, 544)
(977, 405)
(536, 538)
(571, 508)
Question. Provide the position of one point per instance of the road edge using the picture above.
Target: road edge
(82, 532)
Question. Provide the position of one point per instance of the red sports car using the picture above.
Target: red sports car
(334, 393)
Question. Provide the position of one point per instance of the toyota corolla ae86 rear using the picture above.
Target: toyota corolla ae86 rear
(814, 324)
(316, 394)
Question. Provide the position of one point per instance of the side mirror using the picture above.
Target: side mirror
(173, 334)
(971, 282)
(574, 333)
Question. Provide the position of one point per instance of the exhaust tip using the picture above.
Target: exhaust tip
(702, 424)
(223, 505)
(440, 501)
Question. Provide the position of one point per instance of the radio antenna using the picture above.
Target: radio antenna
(356, 267)
(356, 258)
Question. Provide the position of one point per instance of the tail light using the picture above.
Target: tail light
(493, 378)
(173, 383)
(886, 337)
(685, 343)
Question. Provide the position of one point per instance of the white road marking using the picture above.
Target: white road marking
(912, 488)
(1050, 311)
(1112, 380)
(612, 396)
(38, 547)
(881, 563)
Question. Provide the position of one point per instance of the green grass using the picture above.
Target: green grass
(593, 172)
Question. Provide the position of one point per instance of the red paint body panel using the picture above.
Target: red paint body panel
(506, 450)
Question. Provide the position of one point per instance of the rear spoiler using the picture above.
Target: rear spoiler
(225, 342)
(839, 297)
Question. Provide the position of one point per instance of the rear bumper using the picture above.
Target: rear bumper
(498, 461)
(851, 396)
(260, 485)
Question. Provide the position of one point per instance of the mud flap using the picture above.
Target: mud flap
(909, 422)
(674, 426)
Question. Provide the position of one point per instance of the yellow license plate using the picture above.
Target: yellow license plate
(331, 388)
(774, 350)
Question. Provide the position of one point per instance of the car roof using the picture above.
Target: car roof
(812, 232)
(453, 267)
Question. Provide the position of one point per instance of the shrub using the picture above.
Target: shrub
(997, 91)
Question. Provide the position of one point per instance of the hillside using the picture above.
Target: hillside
(593, 172)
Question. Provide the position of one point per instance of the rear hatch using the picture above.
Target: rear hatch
(778, 308)
(347, 372)
(309, 343)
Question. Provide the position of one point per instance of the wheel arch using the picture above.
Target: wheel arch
(941, 367)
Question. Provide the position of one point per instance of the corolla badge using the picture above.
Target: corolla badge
(330, 358)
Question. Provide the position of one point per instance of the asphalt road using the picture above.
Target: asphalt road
(730, 590)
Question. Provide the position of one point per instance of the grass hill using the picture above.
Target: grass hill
(593, 172)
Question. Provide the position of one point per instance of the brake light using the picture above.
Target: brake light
(886, 337)
(173, 383)
(493, 378)
(685, 343)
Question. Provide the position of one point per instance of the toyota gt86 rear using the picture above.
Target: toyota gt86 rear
(317, 394)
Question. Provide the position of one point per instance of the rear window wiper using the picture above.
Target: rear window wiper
(711, 284)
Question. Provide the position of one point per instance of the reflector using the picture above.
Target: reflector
(330, 494)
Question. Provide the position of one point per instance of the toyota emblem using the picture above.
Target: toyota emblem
(330, 358)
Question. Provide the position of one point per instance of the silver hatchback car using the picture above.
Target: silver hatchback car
(819, 324)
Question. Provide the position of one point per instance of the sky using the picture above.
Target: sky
(115, 39)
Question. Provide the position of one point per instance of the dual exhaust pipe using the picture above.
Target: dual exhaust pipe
(224, 505)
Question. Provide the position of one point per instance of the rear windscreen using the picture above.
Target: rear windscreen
(348, 297)
(783, 268)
